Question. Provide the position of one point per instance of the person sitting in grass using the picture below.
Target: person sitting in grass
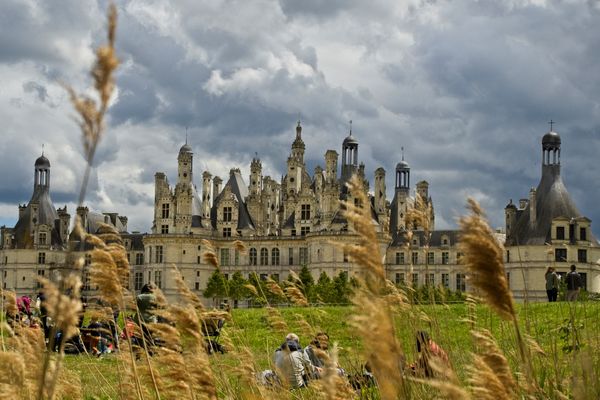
(292, 364)
(427, 351)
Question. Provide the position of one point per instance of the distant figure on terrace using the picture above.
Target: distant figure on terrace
(551, 284)
(573, 284)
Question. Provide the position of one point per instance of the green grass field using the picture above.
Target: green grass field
(449, 326)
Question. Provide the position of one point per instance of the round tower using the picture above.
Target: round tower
(402, 176)
(349, 156)
(184, 161)
(42, 173)
(255, 177)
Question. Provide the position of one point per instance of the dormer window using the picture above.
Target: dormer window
(560, 233)
(305, 212)
(227, 214)
(42, 238)
(582, 234)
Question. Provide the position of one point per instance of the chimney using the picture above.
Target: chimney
(216, 187)
(532, 208)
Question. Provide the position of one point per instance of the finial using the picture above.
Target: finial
(350, 127)
(551, 124)
(186, 134)
(42, 149)
(402, 149)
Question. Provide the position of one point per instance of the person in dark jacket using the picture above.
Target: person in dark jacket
(573, 281)
(551, 284)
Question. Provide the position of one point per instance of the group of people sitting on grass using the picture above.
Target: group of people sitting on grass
(295, 366)
(99, 336)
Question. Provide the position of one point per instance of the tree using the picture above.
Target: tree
(325, 288)
(237, 288)
(342, 288)
(216, 287)
(308, 283)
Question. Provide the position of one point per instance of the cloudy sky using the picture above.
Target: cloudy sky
(466, 87)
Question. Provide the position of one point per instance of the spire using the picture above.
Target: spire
(402, 149)
(299, 130)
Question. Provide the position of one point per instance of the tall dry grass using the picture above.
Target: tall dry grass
(182, 368)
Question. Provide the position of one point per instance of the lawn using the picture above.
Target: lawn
(449, 325)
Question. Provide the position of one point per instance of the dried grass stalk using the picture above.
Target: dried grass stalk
(482, 256)
(373, 320)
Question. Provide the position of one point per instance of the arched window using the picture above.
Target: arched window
(264, 256)
(252, 257)
(275, 256)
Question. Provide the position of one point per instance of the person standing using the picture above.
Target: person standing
(573, 284)
(551, 284)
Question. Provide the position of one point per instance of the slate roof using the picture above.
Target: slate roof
(240, 191)
(552, 201)
(435, 240)
(47, 215)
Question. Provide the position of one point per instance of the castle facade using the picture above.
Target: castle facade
(298, 221)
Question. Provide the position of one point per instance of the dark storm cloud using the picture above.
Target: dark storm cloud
(466, 87)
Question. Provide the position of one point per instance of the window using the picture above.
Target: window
(508, 279)
(263, 277)
(252, 256)
(445, 257)
(226, 232)
(86, 284)
(430, 258)
(290, 256)
(165, 210)
(293, 232)
(87, 260)
(415, 279)
(139, 259)
(460, 283)
(303, 256)
(445, 242)
(41, 258)
(582, 255)
(446, 280)
(560, 254)
(431, 279)
(583, 280)
(198, 260)
(507, 256)
(415, 257)
(159, 254)
(138, 280)
(42, 238)
(399, 278)
(40, 273)
(399, 258)
(236, 257)
(582, 234)
(224, 257)
(227, 214)
(560, 232)
(305, 212)
(164, 229)
(158, 279)
(275, 256)
(264, 256)
(345, 256)
(197, 286)
(304, 230)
